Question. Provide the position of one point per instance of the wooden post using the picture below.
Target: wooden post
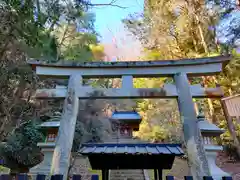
(160, 174)
(231, 127)
(238, 119)
(155, 174)
(105, 174)
(64, 142)
(195, 150)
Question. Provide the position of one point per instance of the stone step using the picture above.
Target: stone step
(126, 171)
(126, 174)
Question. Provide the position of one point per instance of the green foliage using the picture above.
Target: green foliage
(15, 89)
(230, 79)
(166, 34)
(158, 133)
(4, 170)
(21, 147)
(74, 53)
(161, 121)
(174, 30)
(35, 29)
(152, 55)
(226, 137)
(29, 32)
(227, 141)
(160, 117)
(75, 45)
(34, 23)
(98, 51)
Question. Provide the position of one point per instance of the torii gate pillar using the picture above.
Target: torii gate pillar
(62, 151)
(192, 135)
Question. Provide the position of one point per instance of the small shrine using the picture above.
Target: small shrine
(125, 122)
(211, 134)
(50, 130)
(130, 155)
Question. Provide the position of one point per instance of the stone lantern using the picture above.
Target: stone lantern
(50, 130)
(210, 134)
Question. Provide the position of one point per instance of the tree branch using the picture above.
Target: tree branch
(112, 3)
(62, 39)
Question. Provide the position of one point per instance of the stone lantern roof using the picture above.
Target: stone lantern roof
(210, 131)
(208, 128)
(52, 122)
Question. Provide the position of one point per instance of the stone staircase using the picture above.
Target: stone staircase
(127, 174)
(115, 139)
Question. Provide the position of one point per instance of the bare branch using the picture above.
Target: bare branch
(112, 3)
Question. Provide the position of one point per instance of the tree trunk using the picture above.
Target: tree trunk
(62, 151)
(210, 103)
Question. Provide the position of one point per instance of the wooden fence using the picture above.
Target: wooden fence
(94, 177)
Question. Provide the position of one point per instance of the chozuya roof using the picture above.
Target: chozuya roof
(192, 61)
(131, 156)
(132, 149)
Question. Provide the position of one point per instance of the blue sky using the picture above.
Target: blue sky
(109, 17)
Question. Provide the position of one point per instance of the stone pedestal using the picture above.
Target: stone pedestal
(45, 166)
(211, 153)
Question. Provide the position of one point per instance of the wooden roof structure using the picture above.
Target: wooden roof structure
(131, 156)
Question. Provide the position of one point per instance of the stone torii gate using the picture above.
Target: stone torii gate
(179, 70)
